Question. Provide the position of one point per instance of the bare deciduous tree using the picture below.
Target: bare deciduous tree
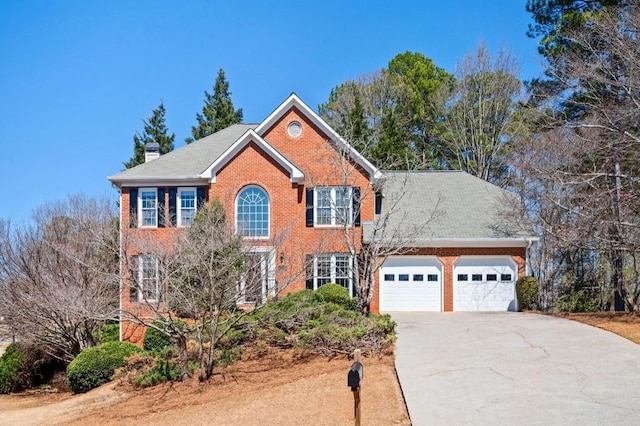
(391, 232)
(583, 159)
(480, 113)
(198, 283)
(59, 276)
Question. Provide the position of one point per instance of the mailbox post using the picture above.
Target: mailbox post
(354, 377)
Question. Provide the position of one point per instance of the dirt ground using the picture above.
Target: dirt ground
(285, 388)
(280, 390)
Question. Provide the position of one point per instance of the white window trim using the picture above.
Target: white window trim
(179, 204)
(140, 212)
(270, 265)
(316, 205)
(141, 286)
(266, 194)
(333, 270)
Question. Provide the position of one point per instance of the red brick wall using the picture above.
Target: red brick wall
(292, 240)
(318, 160)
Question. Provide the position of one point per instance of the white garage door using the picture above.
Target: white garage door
(484, 284)
(411, 283)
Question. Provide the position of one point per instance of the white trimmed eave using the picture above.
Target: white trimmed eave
(294, 101)
(468, 242)
(295, 174)
(158, 181)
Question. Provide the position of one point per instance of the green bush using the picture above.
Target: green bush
(162, 371)
(24, 366)
(335, 293)
(302, 320)
(94, 366)
(527, 292)
(11, 379)
(110, 333)
(155, 340)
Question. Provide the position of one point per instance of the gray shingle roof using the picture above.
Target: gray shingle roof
(447, 205)
(188, 161)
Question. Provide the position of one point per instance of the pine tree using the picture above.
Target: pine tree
(218, 111)
(155, 130)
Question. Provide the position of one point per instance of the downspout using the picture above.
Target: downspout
(120, 284)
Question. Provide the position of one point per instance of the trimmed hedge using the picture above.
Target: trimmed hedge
(94, 366)
(335, 293)
(527, 292)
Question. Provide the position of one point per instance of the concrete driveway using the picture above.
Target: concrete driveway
(513, 368)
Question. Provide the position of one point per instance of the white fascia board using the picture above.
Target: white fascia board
(468, 242)
(295, 174)
(159, 181)
(294, 101)
(473, 242)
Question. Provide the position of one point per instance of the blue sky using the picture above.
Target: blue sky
(78, 77)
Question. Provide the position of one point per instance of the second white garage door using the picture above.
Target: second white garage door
(411, 283)
(484, 284)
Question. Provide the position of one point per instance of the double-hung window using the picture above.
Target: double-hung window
(146, 284)
(148, 207)
(331, 268)
(187, 205)
(333, 205)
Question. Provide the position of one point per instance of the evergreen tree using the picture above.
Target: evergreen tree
(393, 109)
(218, 111)
(155, 130)
(422, 111)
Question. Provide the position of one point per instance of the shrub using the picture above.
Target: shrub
(10, 369)
(335, 293)
(301, 320)
(163, 370)
(527, 292)
(577, 301)
(110, 333)
(23, 366)
(155, 340)
(94, 366)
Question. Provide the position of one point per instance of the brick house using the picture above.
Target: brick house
(285, 186)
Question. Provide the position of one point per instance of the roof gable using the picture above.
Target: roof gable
(295, 174)
(294, 101)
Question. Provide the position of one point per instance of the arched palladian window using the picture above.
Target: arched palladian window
(252, 212)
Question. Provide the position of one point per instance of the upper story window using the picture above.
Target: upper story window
(148, 207)
(252, 212)
(333, 205)
(187, 206)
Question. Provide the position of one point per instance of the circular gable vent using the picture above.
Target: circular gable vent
(294, 129)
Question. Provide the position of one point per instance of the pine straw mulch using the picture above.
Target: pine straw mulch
(289, 387)
(625, 324)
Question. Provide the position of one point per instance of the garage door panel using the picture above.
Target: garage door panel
(484, 284)
(411, 283)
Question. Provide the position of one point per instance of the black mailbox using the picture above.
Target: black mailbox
(354, 376)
